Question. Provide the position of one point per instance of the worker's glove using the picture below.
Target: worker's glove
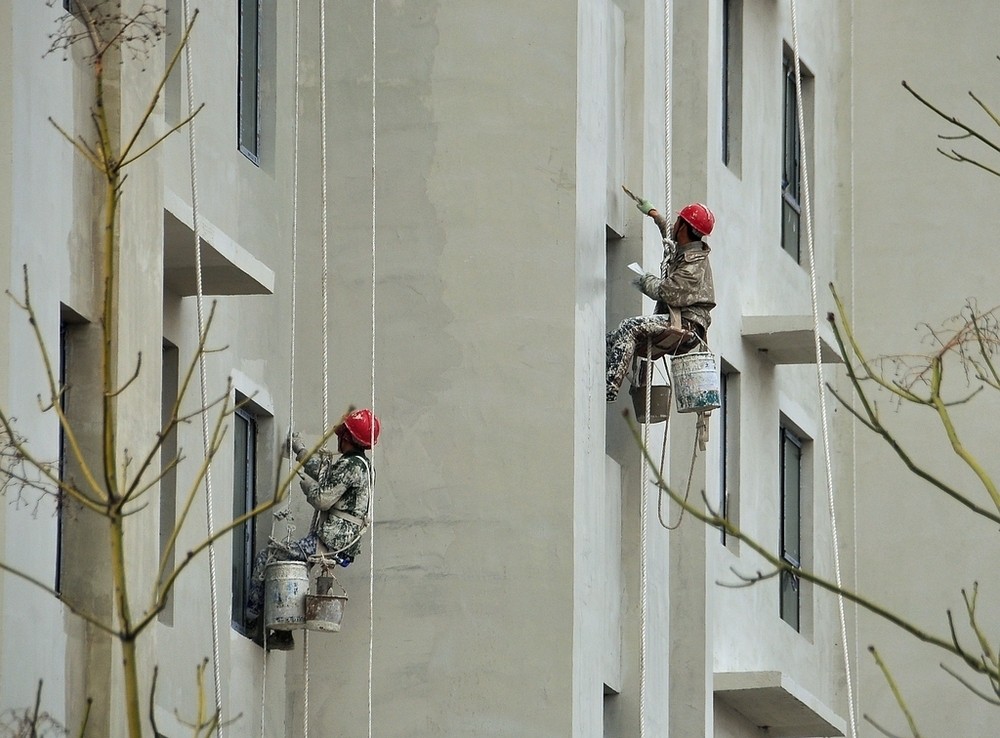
(645, 283)
(294, 441)
(645, 206)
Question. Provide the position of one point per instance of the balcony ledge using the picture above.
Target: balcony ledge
(788, 339)
(227, 268)
(772, 701)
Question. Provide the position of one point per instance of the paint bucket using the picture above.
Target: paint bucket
(696, 382)
(659, 402)
(325, 610)
(286, 584)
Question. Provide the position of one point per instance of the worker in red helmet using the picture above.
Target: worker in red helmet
(339, 489)
(684, 285)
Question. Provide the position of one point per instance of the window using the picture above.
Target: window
(244, 500)
(75, 372)
(63, 399)
(792, 144)
(729, 450)
(248, 103)
(791, 525)
(791, 182)
(168, 480)
(732, 82)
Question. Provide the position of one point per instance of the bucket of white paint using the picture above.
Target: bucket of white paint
(286, 584)
(696, 382)
(325, 610)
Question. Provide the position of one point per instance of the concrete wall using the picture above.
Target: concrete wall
(506, 552)
(755, 277)
(39, 238)
(924, 231)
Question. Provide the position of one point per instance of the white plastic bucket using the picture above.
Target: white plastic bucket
(696, 382)
(286, 584)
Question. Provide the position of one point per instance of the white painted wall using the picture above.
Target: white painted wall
(924, 233)
(492, 187)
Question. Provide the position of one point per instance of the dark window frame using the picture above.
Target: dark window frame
(726, 31)
(729, 448)
(791, 164)
(790, 531)
(245, 448)
(248, 83)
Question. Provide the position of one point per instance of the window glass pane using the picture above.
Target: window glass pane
(726, 20)
(249, 80)
(791, 184)
(790, 599)
(791, 499)
(244, 465)
(790, 228)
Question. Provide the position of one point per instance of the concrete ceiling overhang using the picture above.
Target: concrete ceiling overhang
(771, 700)
(788, 339)
(227, 268)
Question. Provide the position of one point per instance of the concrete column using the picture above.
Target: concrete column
(690, 646)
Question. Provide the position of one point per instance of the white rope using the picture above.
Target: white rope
(371, 478)
(854, 434)
(643, 480)
(202, 371)
(324, 243)
(643, 553)
(291, 342)
(668, 113)
(325, 209)
(806, 204)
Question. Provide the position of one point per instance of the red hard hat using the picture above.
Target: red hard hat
(362, 426)
(699, 217)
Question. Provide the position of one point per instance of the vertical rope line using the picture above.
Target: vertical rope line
(325, 273)
(668, 113)
(643, 478)
(643, 555)
(294, 289)
(203, 372)
(821, 384)
(371, 479)
(295, 245)
(854, 425)
(325, 209)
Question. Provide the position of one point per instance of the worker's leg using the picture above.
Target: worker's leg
(621, 344)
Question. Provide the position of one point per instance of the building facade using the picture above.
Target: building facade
(448, 244)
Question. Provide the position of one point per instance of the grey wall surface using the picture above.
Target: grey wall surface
(924, 235)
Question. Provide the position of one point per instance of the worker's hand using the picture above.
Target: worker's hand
(645, 206)
(294, 442)
(644, 281)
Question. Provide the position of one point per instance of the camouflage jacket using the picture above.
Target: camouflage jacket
(340, 494)
(686, 283)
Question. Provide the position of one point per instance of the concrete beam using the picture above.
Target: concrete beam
(772, 701)
(227, 268)
(788, 339)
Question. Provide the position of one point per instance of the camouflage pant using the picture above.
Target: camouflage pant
(299, 550)
(622, 341)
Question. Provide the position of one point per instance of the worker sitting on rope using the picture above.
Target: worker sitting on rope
(340, 491)
(685, 289)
